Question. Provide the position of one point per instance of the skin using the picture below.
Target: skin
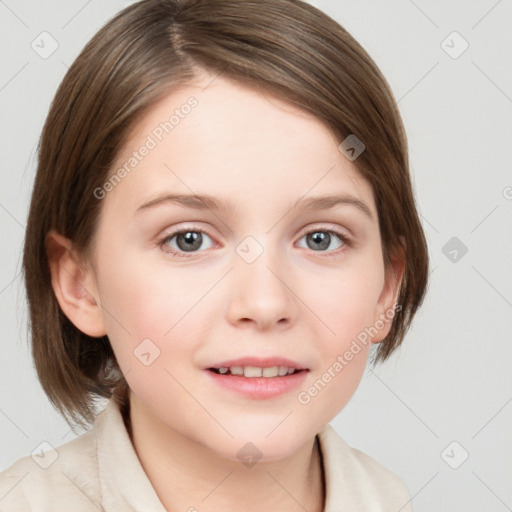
(296, 301)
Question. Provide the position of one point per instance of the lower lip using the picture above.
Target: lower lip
(259, 387)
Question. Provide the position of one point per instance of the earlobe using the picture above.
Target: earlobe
(74, 286)
(387, 303)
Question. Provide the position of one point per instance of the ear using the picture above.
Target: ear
(386, 305)
(74, 285)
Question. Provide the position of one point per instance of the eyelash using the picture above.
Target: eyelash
(347, 242)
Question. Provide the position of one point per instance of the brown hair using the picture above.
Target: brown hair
(286, 48)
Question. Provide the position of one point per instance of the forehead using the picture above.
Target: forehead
(219, 137)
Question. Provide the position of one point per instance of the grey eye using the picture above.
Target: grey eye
(321, 240)
(188, 241)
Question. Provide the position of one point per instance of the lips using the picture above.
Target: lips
(258, 378)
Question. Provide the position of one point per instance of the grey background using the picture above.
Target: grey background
(451, 381)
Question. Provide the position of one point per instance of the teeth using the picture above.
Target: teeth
(237, 370)
(255, 371)
(252, 371)
(270, 372)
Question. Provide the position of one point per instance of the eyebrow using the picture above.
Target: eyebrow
(207, 202)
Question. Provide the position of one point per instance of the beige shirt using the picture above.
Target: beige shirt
(100, 471)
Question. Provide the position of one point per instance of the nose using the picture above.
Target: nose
(261, 293)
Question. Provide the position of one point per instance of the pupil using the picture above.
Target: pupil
(192, 241)
(320, 238)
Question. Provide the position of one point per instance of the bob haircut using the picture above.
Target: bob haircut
(286, 48)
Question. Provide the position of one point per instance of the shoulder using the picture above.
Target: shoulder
(354, 477)
(31, 482)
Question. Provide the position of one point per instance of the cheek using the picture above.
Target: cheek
(345, 299)
(151, 310)
(146, 299)
(345, 302)
(148, 315)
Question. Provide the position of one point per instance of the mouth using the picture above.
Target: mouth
(251, 372)
(258, 378)
(254, 367)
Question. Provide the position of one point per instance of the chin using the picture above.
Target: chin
(264, 441)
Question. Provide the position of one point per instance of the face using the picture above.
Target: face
(209, 303)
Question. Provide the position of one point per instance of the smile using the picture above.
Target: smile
(257, 378)
(255, 371)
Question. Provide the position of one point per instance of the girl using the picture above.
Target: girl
(222, 224)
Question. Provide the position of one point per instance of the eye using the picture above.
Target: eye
(321, 240)
(185, 241)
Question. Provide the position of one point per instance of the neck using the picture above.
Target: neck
(189, 476)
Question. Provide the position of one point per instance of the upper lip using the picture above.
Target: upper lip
(259, 362)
